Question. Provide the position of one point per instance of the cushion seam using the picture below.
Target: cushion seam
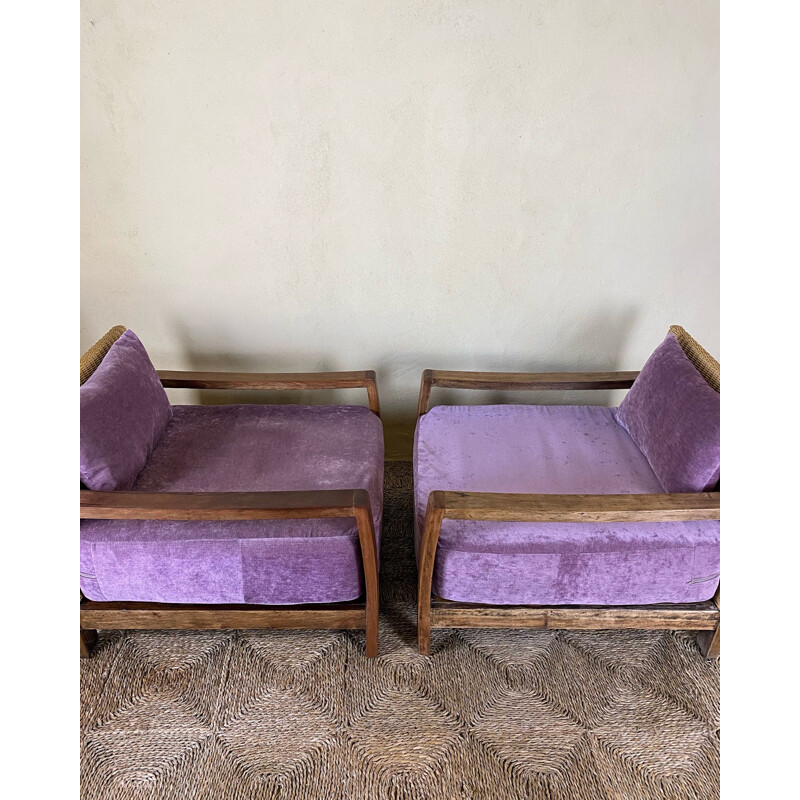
(96, 576)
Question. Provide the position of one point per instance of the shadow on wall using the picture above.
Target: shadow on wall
(594, 344)
(200, 357)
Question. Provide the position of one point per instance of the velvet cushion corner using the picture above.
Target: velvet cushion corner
(673, 415)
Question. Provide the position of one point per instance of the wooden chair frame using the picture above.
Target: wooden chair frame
(353, 503)
(438, 613)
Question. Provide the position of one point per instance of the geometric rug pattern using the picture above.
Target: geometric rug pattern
(229, 715)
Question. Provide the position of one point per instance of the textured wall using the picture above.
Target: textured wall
(348, 185)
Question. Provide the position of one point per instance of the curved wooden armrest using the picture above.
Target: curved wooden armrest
(576, 507)
(224, 505)
(450, 379)
(178, 379)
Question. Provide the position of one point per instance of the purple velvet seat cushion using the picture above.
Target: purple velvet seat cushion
(243, 448)
(673, 415)
(124, 411)
(553, 450)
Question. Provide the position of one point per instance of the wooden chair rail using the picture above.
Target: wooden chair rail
(223, 505)
(168, 616)
(666, 616)
(452, 379)
(576, 507)
(177, 379)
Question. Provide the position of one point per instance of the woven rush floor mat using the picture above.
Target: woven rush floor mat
(491, 714)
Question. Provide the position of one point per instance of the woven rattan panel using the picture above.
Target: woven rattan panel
(91, 359)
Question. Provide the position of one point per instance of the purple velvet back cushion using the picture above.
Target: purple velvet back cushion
(673, 416)
(124, 410)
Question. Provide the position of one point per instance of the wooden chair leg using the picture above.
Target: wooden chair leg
(88, 638)
(430, 539)
(366, 535)
(708, 642)
(424, 626)
(372, 634)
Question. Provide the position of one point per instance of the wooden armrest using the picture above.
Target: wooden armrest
(178, 379)
(576, 507)
(223, 505)
(519, 380)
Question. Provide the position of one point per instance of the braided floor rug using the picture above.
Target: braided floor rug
(491, 714)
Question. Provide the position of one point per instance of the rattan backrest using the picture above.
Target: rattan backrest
(91, 359)
(706, 364)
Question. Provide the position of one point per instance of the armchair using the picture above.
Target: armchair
(237, 516)
(555, 516)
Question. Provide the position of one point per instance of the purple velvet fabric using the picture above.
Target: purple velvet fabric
(673, 416)
(243, 448)
(553, 450)
(124, 411)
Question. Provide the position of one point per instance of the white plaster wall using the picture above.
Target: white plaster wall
(399, 185)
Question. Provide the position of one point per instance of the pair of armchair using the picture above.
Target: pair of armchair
(525, 516)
